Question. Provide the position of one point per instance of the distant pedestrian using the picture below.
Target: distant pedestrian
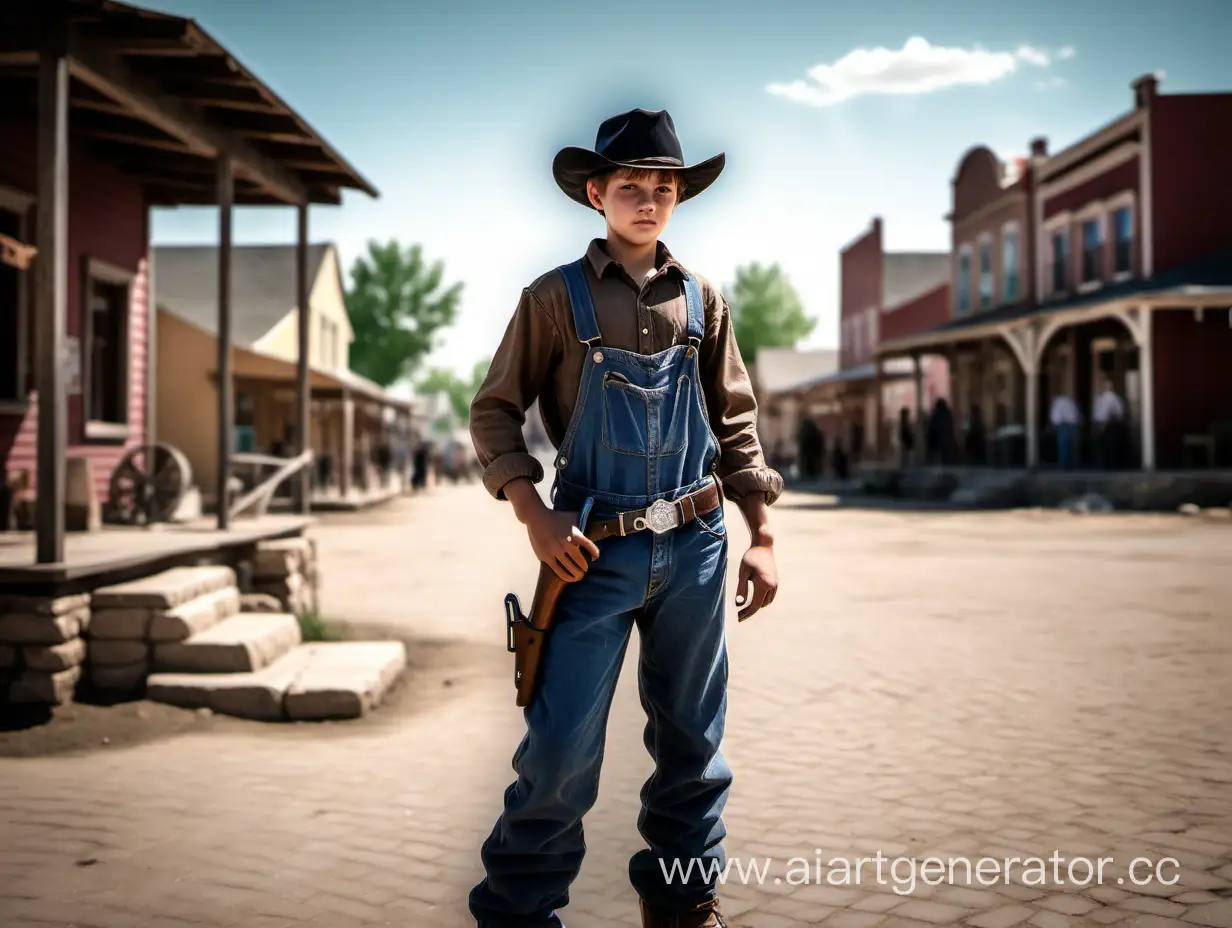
(419, 467)
(1065, 418)
(841, 463)
(1108, 417)
(941, 434)
(810, 441)
(906, 436)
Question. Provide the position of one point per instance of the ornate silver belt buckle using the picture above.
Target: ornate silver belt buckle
(660, 517)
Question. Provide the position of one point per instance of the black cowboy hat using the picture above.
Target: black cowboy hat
(636, 139)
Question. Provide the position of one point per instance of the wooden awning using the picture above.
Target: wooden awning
(161, 99)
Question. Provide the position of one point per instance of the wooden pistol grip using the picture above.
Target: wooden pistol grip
(530, 638)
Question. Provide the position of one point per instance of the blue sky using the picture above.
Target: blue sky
(830, 113)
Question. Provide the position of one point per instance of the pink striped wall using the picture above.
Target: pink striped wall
(107, 220)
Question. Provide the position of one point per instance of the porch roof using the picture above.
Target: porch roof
(162, 100)
(1205, 277)
(859, 373)
(249, 364)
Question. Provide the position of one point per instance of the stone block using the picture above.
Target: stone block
(42, 605)
(345, 680)
(256, 695)
(9, 655)
(195, 616)
(166, 590)
(260, 602)
(54, 658)
(280, 557)
(292, 593)
(121, 624)
(112, 653)
(54, 689)
(43, 627)
(244, 642)
(120, 677)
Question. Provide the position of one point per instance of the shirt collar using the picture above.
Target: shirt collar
(602, 262)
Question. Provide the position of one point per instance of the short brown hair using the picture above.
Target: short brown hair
(601, 179)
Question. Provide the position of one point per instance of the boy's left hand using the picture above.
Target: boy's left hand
(757, 566)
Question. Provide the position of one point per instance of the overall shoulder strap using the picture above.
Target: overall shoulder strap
(693, 301)
(584, 320)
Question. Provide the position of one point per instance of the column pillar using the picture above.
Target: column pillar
(875, 438)
(303, 481)
(348, 444)
(1146, 372)
(51, 295)
(226, 401)
(1032, 385)
(918, 424)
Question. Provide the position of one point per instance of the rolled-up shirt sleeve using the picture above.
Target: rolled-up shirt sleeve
(732, 406)
(518, 372)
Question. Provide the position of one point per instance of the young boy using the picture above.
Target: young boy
(643, 393)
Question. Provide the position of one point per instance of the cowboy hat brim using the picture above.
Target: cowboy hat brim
(573, 166)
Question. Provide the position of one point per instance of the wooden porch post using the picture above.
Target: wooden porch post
(1146, 372)
(877, 410)
(918, 373)
(151, 362)
(304, 399)
(51, 307)
(348, 443)
(1032, 387)
(226, 403)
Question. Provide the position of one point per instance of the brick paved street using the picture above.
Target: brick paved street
(946, 685)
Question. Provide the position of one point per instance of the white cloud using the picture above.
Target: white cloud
(918, 67)
(1055, 82)
(1035, 56)
(1066, 52)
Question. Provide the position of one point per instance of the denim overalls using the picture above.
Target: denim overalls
(639, 432)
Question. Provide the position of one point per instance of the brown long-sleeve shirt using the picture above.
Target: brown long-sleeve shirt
(540, 358)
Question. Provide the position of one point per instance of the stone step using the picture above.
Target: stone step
(195, 616)
(241, 644)
(164, 591)
(333, 680)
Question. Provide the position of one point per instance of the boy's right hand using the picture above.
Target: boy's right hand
(559, 543)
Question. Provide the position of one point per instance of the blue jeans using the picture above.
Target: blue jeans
(671, 587)
(1065, 445)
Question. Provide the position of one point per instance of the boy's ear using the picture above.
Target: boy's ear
(593, 194)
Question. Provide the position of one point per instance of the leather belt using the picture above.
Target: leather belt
(660, 516)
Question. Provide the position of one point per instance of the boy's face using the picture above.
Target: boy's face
(637, 209)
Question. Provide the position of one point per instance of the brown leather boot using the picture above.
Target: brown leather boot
(706, 915)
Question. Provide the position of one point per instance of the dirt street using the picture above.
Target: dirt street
(953, 685)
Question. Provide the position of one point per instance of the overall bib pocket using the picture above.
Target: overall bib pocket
(626, 415)
(675, 431)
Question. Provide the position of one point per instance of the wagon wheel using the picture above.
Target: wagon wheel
(140, 494)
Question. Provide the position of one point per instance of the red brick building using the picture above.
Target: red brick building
(1109, 261)
(860, 401)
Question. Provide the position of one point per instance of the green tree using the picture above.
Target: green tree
(460, 390)
(766, 310)
(397, 306)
